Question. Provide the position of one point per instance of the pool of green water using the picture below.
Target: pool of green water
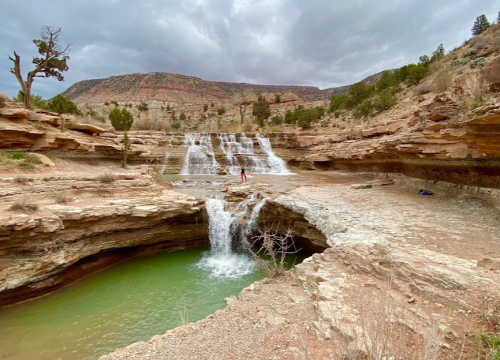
(128, 302)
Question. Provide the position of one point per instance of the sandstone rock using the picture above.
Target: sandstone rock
(44, 159)
(361, 186)
(492, 264)
(85, 128)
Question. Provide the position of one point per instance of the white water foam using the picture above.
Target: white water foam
(276, 164)
(200, 157)
(221, 261)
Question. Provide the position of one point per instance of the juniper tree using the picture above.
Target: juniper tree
(121, 120)
(480, 25)
(51, 63)
(261, 109)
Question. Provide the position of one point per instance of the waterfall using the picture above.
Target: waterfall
(276, 164)
(221, 260)
(164, 166)
(200, 157)
(250, 225)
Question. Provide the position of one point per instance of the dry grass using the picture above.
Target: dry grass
(106, 178)
(150, 124)
(422, 89)
(63, 198)
(24, 204)
(443, 80)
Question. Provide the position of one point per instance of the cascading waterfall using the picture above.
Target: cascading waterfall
(164, 166)
(200, 157)
(223, 226)
(250, 225)
(276, 164)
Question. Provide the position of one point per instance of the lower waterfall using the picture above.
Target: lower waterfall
(222, 261)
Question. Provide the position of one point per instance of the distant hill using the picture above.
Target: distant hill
(182, 90)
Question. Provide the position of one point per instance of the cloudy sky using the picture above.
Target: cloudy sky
(322, 43)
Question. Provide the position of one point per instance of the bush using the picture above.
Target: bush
(106, 103)
(221, 110)
(176, 125)
(442, 81)
(62, 105)
(416, 73)
(384, 100)
(205, 108)
(121, 120)
(338, 102)
(142, 107)
(364, 109)
(106, 178)
(336, 114)
(114, 103)
(277, 98)
(462, 61)
(479, 62)
(422, 89)
(276, 120)
(25, 203)
(182, 116)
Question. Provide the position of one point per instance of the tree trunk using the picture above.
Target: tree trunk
(25, 86)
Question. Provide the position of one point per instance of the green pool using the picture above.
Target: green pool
(125, 303)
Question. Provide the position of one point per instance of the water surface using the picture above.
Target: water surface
(128, 302)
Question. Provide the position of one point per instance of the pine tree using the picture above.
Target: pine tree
(261, 109)
(480, 25)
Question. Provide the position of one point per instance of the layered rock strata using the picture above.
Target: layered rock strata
(83, 223)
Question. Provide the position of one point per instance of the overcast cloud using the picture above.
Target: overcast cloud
(322, 43)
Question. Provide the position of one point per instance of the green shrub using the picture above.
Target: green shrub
(176, 125)
(416, 73)
(106, 103)
(276, 120)
(479, 62)
(121, 120)
(205, 108)
(364, 109)
(182, 116)
(277, 98)
(114, 103)
(221, 110)
(338, 102)
(460, 62)
(62, 105)
(384, 100)
(142, 107)
(336, 114)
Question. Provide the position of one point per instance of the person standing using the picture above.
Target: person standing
(243, 175)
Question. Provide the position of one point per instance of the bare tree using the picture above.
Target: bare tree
(242, 100)
(51, 63)
(269, 243)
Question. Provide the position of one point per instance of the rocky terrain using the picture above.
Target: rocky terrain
(404, 277)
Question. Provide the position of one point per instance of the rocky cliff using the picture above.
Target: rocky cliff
(178, 90)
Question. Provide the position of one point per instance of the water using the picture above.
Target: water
(276, 164)
(200, 157)
(222, 262)
(128, 302)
